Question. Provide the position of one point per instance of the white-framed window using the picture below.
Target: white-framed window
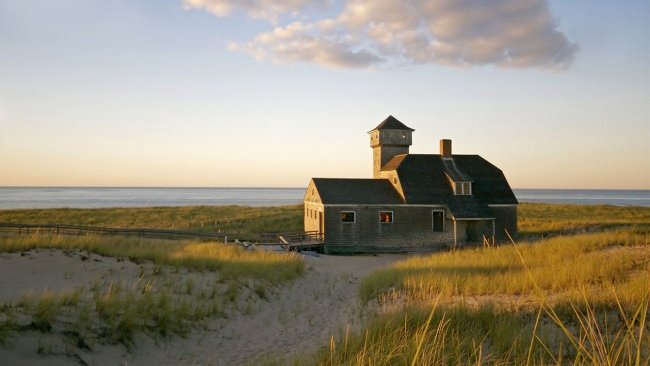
(348, 217)
(386, 217)
(438, 221)
(463, 188)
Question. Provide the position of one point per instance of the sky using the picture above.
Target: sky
(269, 93)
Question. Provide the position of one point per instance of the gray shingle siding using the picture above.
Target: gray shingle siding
(505, 219)
(411, 229)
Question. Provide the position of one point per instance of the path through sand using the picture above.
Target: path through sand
(297, 320)
(294, 320)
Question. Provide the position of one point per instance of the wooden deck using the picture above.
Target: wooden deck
(310, 240)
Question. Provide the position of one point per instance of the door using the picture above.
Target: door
(321, 224)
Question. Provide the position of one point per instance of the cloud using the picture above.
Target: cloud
(315, 43)
(256, 9)
(367, 33)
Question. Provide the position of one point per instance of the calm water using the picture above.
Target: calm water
(586, 196)
(13, 197)
(17, 197)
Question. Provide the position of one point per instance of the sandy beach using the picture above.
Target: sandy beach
(285, 322)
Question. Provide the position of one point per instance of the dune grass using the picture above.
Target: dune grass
(231, 261)
(542, 218)
(580, 300)
(165, 300)
(420, 335)
(115, 312)
(560, 266)
(227, 219)
(112, 312)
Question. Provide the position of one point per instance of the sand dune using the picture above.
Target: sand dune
(292, 320)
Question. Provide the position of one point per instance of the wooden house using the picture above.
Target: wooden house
(414, 202)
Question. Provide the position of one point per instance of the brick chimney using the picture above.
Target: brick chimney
(445, 148)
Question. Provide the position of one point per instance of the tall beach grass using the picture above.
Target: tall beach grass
(560, 266)
(577, 300)
(231, 261)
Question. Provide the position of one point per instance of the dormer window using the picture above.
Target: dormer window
(463, 188)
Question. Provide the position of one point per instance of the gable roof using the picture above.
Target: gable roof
(392, 123)
(425, 180)
(356, 191)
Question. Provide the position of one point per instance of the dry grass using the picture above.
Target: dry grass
(580, 300)
(171, 296)
(560, 266)
(534, 218)
(157, 303)
(231, 261)
(542, 218)
(228, 219)
(433, 335)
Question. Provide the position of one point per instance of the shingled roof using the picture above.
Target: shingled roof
(356, 191)
(425, 180)
(392, 123)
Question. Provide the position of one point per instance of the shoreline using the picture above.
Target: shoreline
(146, 197)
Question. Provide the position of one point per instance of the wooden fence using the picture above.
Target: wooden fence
(289, 241)
(59, 229)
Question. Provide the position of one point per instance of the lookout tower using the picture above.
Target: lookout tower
(388, 139)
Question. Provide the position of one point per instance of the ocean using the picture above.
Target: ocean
(95, 197)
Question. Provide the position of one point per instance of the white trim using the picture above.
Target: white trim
(504, 205)
(314, 205)
(455, 235)
(382, 205)
(474, 219)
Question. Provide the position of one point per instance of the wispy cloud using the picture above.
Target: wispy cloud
(313, 43)
(257, 9)
(367, 33)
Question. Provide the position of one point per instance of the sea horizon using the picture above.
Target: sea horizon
(39, 197)
(296, 187)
